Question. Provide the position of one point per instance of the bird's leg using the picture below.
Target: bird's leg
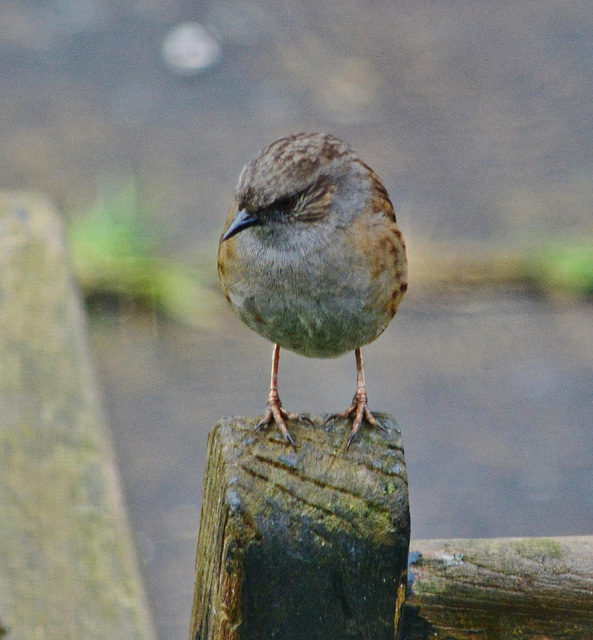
(360, 404)
(274, 410)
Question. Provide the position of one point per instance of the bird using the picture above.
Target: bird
(312, 258)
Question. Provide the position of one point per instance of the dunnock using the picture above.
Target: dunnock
(311, 258)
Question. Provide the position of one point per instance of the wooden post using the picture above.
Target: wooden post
(497, 589)
(68, 567)
(309, 545)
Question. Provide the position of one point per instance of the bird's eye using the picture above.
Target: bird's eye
(287, 204)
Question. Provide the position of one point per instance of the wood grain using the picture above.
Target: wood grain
(502, 588)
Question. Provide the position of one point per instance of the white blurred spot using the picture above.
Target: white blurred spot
(189, 48)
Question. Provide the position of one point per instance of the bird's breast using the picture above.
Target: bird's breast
(315, 303)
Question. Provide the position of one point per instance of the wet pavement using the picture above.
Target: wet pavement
(493, 393)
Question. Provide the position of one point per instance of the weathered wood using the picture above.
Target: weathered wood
(309, 545)
(67, 563)
(524, 588)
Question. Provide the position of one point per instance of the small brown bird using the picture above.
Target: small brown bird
(312, 258)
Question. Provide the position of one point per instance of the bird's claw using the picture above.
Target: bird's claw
(361, 412)
(275, 413)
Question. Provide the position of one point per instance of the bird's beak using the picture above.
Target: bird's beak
(242, 220)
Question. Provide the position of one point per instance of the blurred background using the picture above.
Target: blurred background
(136, 117)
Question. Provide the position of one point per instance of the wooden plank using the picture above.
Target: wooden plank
(497, 589)
(301, 545)
(68, 568)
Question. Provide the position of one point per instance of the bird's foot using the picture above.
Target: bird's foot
(275, 413)
(360, 410)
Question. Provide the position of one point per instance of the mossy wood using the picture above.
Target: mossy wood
(67, 563)
(305, 545)
(498, 589)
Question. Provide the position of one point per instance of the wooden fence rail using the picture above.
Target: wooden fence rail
(68, 568)
(309, 545)
(501, 589)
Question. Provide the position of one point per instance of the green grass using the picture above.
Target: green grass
(114, 247)
(563, 267)
(559, 268)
